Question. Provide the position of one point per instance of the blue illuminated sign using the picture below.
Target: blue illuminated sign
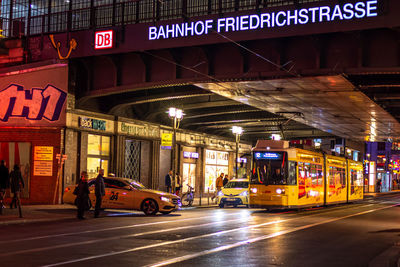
(345, 11)
(267, 155)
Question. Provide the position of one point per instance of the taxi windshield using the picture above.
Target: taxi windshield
(137, 185)
(237, 185)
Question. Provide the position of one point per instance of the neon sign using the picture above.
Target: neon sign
(347, 11)
(191, 155)
(35, 104)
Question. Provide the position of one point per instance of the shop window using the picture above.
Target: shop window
(98, 154)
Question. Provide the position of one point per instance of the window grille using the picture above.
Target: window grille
(132, 159)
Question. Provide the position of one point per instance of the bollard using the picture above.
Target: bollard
(19, 206)
(208, 196)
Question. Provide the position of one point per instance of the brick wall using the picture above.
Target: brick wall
(42, 188)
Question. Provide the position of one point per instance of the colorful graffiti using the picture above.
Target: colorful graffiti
(35, 104)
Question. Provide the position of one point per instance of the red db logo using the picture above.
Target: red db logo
(103, 39)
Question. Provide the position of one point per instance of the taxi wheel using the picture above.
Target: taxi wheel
(149, 207)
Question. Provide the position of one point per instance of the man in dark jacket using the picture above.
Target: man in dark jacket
(226, 180)
(82, 195)
(16, 184)
(99, 192)
(168, 181)
(4, 182)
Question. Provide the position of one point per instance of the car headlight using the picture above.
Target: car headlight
(253, 190)
(165, 199)
(244, 193)
(280, 191)
(220, 194)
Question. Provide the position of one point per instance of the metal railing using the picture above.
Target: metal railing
(125, 12)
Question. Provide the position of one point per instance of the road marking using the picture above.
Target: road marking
(103, 230)
(257, 239)
(165, 243)
(179, 259)
(114, 238)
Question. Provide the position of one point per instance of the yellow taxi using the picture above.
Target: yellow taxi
(234, 193)
(122, 193)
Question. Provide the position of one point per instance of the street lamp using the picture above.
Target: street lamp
(237, 131)
(176, 115)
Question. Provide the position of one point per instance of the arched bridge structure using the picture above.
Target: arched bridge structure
(300, 68)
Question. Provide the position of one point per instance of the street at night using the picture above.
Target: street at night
(355, 234)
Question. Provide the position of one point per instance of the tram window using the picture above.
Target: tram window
(271, 171)
(316, 174)
(292, 173)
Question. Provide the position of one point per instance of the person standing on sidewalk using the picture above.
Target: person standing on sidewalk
(226, 180)
(4, 183)
(82, 195)
(16, 184)
(99, 192)
(168, 181)
(218, 185)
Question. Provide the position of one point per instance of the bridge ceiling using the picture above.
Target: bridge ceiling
(330, 103)
(205, 112)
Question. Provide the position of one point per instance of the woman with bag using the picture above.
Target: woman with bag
(82, 195)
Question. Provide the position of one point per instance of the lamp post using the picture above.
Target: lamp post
(237, 131)
(176, 115)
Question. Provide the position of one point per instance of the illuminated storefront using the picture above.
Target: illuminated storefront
(217, 162)
(189, 168)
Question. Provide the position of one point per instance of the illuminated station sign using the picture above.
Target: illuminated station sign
(312, 15)
(103, 39)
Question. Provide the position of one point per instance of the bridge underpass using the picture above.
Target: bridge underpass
(307, 93)
(328, 78)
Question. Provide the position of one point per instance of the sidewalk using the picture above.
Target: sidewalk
(48, 213)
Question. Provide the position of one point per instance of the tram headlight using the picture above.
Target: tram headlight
(280, 191)
(253, 190)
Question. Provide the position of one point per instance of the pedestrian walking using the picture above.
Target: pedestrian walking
(4, 183)
(99, 192)
(82, 195)
(168, 181)
(218, 185)
(16, 184)
(226, 180)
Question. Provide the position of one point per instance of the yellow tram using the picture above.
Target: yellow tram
(284, 177)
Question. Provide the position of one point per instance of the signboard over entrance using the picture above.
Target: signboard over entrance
(312, 15)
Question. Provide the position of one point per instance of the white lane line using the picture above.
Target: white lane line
(128, 236)
(256, 239)
(164, 243)
(179, 259)
(115, 238)
(104, 230)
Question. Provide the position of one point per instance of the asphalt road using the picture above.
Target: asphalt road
(343, 235)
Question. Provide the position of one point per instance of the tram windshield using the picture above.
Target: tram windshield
(270, 168)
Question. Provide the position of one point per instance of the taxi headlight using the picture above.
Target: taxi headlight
(253, 190)
(280, 191)
(165, 199)
(244, 193)
(220, 194)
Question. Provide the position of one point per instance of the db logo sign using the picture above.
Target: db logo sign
(103, 39)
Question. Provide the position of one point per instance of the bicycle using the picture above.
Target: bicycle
(188, 197)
